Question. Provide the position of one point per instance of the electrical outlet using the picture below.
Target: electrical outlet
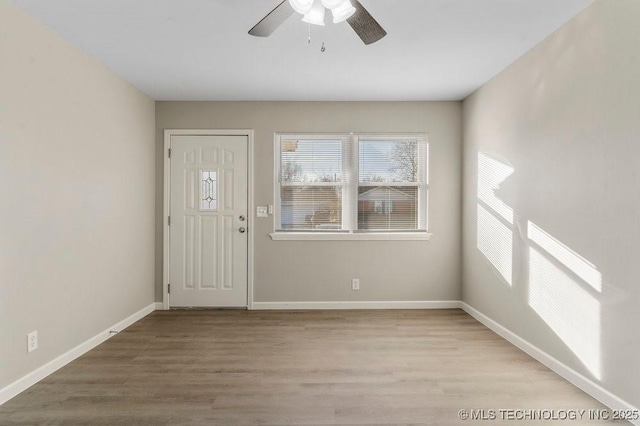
(32, 341)
(355, 284)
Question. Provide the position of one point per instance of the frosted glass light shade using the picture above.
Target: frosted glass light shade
(332, 4)
(301, 6)
(316, 15)
(343, 12)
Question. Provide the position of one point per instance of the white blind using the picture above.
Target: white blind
(311, 184)
(392, 183)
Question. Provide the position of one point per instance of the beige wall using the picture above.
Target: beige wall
(322, 270)
(565, 118)
(76, 195)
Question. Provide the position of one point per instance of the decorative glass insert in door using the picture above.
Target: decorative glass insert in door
(209, 191)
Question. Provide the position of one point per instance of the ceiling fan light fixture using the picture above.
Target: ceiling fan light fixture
(360, 20)
(301, 6)
(315, 16)
(343, 12)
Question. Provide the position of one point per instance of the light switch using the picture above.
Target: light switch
(262, 211)
(270, 208)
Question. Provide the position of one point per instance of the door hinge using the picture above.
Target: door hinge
(169, 220)
(169, 152)
(169, 288)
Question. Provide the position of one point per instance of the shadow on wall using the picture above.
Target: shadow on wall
(563, 288)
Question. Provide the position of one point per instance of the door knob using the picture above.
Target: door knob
(242, 230)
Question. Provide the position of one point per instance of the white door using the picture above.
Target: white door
(208, 221)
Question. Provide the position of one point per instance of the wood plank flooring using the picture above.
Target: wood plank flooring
(296, 368)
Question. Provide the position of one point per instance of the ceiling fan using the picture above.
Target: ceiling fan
(313, 12)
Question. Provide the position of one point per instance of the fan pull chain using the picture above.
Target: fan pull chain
(322, 48)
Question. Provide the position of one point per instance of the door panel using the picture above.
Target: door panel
(208, 208)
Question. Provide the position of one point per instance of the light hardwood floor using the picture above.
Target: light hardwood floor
(296, 368)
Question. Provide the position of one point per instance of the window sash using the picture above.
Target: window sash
(392, 184)
(420, 219)
(286, 184)
(284, 140)
(312, 208)
(420, 183)
(310, 213)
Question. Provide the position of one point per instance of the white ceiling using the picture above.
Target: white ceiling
(200, 49)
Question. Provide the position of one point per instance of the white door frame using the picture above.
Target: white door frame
(167, 200)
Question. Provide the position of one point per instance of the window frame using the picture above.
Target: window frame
(422, 182)
(278, 174)
(350, 187)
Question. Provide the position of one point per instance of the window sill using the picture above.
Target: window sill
(342, 236)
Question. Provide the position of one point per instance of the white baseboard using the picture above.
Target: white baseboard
(582, 382)
(35, 376)
(159, 306)
(301, 306)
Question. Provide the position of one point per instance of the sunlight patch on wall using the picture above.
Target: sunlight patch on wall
(572, 260)
(495, 242)
(491, 173)
(567, 307)
(495, 218)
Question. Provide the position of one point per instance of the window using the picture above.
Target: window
(392, 183)
(311, 183)
(353, 185)
(208, 190)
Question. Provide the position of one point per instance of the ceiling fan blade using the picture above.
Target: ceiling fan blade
(273, 20)
(364, 25)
